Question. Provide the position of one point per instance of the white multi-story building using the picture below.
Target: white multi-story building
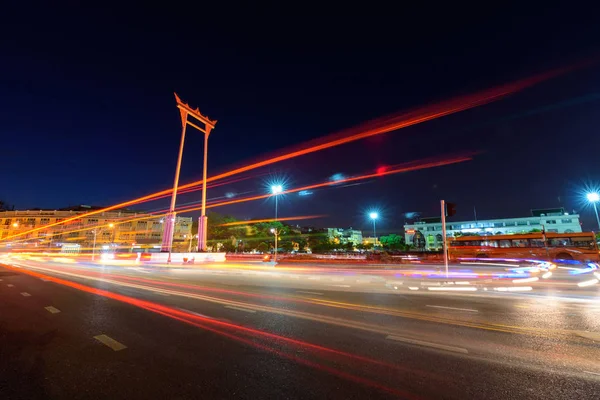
(121, 227)
(427, 233)
(343, 236)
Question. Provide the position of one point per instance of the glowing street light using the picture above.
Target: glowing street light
(15, 225)
(593, 198)
(374, 216)
(276, 190)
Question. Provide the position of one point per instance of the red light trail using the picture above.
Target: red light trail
(273, 342)
(396, 169)
(376, 127)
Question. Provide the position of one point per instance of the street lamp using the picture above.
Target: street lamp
(276, 190)
(374, 215)
(275, 232)
(593, 198)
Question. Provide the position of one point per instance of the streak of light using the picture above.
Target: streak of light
(217, 326)
(257, 221)
(486, 264)
(514, 289)
(407, 167)
(588, 283)
(525, 280)
(547, 275)
(377, 127)
(412, 166)
(452, 289)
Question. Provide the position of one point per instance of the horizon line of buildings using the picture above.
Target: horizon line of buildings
(131, 228)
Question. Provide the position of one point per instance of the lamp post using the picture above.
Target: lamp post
(373, 215)
(95, 231)
(593, 198)
(275, 232)
(276, 190)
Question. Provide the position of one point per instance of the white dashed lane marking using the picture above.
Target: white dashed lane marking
(52, 310)
(25, 294)
(303, 292)
(110, 342)
(10, 285)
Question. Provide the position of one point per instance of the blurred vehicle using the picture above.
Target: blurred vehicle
(579, 246)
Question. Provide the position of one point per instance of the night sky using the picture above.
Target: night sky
(87, 113)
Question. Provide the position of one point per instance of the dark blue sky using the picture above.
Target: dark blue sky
(87, 114)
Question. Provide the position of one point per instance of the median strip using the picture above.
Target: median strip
(428, 344)
(110, 342)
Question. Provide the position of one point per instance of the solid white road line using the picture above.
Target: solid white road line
(25, 294)
(241, 309)
(453, 308)
(593, 373)
(302, 291)
(110, 342)
(340, 285)
(52, 310)
(428, 344)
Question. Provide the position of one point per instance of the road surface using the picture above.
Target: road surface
(79, 330)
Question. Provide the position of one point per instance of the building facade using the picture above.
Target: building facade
(427, 233)
(123, 228)
(344, 236)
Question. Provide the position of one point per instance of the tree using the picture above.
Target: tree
(393, 242)
(263, 247)
(349, 246)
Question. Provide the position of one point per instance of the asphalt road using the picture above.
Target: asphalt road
(86, 331)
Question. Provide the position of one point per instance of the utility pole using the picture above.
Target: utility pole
(443, 207)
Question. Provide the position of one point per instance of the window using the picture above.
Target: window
(430, 228)
(536, 243)
(551, 221)
(92, 221)
(582, 242)
(489, 243)
(520, 223)
(500, 224)
(44, 221)
(504, 243)
(7, 221)
(559, 242)
(566, 221)
(520, 243)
